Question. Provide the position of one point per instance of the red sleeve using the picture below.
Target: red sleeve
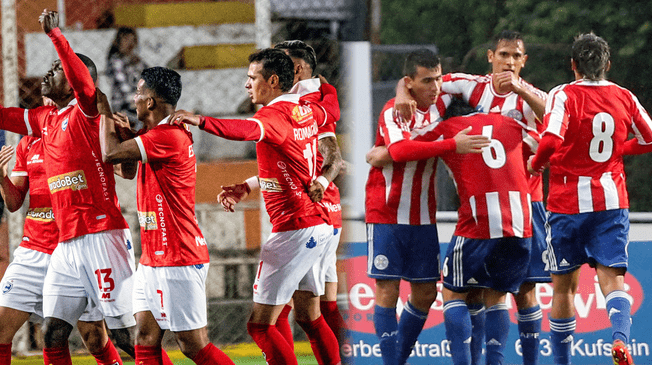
(20, 168)
(632, 147)
(329, 101)
(233, 129)
(410, 150)
(549, 144)
(77, 73)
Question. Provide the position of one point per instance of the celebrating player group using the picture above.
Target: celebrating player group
(496, 133)
(76, 265)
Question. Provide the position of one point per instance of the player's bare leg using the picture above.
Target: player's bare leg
(385, 318)
(612, 284)
(497, 326)
(322, 339)
(97, 341)
(529, 322)
(10, 322)
(562, 315)
(55, 340)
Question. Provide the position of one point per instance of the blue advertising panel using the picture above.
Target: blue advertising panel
(592, 340)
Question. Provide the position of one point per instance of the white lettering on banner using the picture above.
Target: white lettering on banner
(586, 349)
(363, 349)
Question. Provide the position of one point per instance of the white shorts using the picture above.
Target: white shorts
(95, 268)
(22, 284)
(290, 261)
(331, 257)
(175, 295)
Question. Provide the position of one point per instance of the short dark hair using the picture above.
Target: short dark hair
(90, 65)
(301, 50)
(458, 107)
(507, 36)
(275, 62)
(164, 82)
(591, 56)
(421, 57)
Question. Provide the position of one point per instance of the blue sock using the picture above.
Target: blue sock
(386, 330)
(496, 331)
(529, 329)
(561, 339)
(477, 312)
(618, 308)
(409, 328)
(458, 330)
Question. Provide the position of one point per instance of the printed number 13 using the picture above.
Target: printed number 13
(104, 280)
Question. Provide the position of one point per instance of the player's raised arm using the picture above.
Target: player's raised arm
(77, 71)
(233, 129)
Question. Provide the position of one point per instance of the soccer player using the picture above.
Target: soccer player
(170, 283)
(491, 244)
(588, 123)
(93, 262)
(504, 91)
(400, 209)
(292, 260)
(322, 190)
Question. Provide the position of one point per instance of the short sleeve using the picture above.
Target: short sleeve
(273, 125)
(162, 143)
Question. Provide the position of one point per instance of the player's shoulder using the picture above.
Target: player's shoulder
(461, 76)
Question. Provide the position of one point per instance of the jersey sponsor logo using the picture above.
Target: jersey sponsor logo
(200, 241)
(311, 243)
(333, 208)
(270, 185)
(35, 159)
(75, 181)
(147, 220)
(40, 214)
(160, 213)
(306, 132)
(302, 114)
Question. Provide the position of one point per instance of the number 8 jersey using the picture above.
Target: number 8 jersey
(593, 119)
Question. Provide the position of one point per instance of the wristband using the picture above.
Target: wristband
(252, 183)
(323, 181)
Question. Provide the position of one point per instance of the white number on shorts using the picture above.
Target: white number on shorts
(494, 156)
(602, 146)
(444, 269)
(104, 280)
(310, 154)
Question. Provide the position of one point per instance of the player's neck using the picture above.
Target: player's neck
(157, 115)
(63, 102)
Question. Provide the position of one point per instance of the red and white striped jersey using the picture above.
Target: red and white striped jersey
(403, 192)
(479, 92)
(494, 195)
(593, 118)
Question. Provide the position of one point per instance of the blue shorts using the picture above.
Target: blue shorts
(594, 237)
(539, 272)
(500, 263)
(401, 251)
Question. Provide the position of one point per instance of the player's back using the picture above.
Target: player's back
(492, 186)
(287, 162)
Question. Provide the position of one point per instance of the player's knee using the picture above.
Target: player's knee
(56, 332)
(123, 339)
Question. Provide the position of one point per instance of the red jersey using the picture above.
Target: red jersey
(40, 231)
(82, 187)
(165, 192)
(493, 189)
(403, 192)
(588, 124)
(479, 92)
(309, 90)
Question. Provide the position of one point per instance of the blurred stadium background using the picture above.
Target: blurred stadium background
(360, 45)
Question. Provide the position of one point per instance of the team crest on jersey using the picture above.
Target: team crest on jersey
(75, 180)
(311, 243)
(270, 185)
(147, 220)
(40, 214)
(515, 114)
(64, 125)
(6, 287)
(302, 114)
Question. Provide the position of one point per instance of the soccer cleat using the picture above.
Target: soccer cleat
(620, 354)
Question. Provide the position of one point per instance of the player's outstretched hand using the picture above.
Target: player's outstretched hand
(378, 156)
(47, 101)
(322, 79)
(183, 116)
(530, 169)
(6, 153)
(316, 191)
(232, 195)
(404, 105)
(49, 20)
(123, 127)
(466, 143)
